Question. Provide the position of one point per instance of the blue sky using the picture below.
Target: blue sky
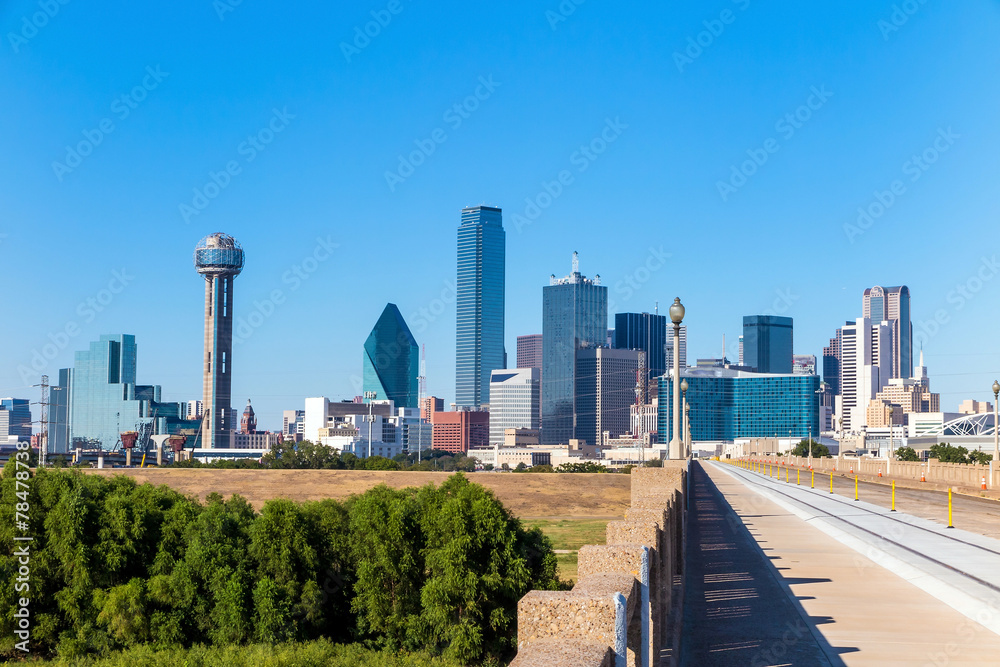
(260, 120)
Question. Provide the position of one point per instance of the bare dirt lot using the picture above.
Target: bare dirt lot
(548, 495)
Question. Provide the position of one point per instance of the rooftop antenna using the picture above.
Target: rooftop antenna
(576, 262)
(724, 364)
(656, 308)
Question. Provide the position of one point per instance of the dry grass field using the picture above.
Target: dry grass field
(528, 495)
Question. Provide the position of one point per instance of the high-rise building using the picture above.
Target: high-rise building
(865, 363)
(892, 304)
(194, 410)
(727, 404)
(59, 397)
(668, 346)
(293, 422)
(15, 417)
(391, 360)
(605, 390)
(460, 431)
(429, 405)
(219, 258)
(248, 424)
(529, 351)
(479, 329)
(105, 399)
(646, 332)
(515, 396)
(574, 316)
(767, 343)
(831, 363)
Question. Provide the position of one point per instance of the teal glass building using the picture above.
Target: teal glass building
(391, 360)
(18, 416)
(728, 404)
(574, 316)
(767, 343)
(104, 399)
(479, 326)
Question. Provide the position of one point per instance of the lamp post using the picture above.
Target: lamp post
(677, 316)
(996, 432)
(684, 408)
(819, 420)
(687, 429)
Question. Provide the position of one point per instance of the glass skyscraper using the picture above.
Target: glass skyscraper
(16, 417)
(646, 332)
(392, 360)
(728, 404)
(105, 400)
(892, 304)
(574, 316)
(767, 343)
(479, 329)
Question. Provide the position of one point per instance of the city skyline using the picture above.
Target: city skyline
(293, 163)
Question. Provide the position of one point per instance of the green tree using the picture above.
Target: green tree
(906, 454)
(818, 449)
(946, 453)
(587, 466)
(979, 457)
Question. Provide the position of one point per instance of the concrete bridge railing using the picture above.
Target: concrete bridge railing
(619, 612)
(933, 472)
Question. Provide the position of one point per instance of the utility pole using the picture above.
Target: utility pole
(43, 422)
(370, 396)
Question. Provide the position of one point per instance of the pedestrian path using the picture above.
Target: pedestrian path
(766, 587)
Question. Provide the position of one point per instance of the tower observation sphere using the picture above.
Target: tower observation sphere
(219, 258)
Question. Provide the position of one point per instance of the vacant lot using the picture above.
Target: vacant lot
(536, 495)
(568, 535)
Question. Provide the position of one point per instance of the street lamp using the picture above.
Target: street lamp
(996, 432)
(677, 316)
(684, 400)
(687, 429)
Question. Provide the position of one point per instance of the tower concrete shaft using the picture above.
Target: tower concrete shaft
(217, 384)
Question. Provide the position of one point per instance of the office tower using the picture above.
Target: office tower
(865, 363)
(248, 424)
(804, 364)
(194, 410)
(460, 431)
(605, 390)
(529, 351)
(429, 405)
(767, 343)
(831, 363)
(515, 396)
(668, 346)
(391, 360)
(479, 326)
(574, 316)
(892, 304)
(15, 417)
(105, 399)
(59, 397)
(646, 332)
(219, 258)
(293, 422)
(727, 404)
(741, 350)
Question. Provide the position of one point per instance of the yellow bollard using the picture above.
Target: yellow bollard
(950, 524)
(893, 496)
(798, 477)
(855, 488)
(831, 482)
(812, 479)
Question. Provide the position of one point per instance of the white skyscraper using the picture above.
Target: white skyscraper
(515, 397)
(865, 368)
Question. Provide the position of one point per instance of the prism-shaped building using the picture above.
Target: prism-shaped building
(391, 360)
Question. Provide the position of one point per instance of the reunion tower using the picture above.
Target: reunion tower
(218, 257)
